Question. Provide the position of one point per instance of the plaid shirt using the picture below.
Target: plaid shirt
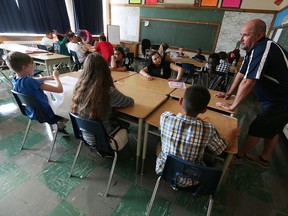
(187, 137)
(223, 67)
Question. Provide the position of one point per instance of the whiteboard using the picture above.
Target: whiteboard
(113, 33)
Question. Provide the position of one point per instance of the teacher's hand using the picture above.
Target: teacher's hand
(225, 106)
(223, 95)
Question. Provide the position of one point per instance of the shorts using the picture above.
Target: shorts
(270, 121)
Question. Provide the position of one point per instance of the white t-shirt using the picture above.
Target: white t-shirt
(47, 42)
(79, 51)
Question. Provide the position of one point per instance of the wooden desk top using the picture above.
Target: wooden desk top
(158, 85)
(178, 93)
(118, 75)
(115, 74)
(145, 102)
(48, 56)
(21, 48)
(189, 60)
(223, 123)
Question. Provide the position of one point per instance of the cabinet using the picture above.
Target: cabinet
(133, 47)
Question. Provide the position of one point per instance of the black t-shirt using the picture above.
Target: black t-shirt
(162, 71)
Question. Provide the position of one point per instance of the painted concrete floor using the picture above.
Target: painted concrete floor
(30, 186)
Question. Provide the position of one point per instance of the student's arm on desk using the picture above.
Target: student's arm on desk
(58, 88)
(145, 73)
(179, 72)
(114, 65)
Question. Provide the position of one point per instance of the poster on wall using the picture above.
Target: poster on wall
(151, 2)
(209, 3)
(135, 1)
(231, 3)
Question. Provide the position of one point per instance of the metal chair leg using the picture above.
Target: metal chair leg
(26, 133)
(210, 205)
(54, 132)
(111, 174)
(149, 207)
(76, 157)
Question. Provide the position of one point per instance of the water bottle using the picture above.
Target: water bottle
(234, 63)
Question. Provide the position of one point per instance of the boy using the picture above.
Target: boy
(48, 41)
(73, 45)
(199, 56)
(105, 48)
(187, 136)
(22, 64)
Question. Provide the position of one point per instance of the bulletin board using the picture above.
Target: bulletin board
(113, 34)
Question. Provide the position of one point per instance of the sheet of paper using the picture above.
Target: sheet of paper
(174, 84)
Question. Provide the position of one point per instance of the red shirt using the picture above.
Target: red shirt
(106, 49)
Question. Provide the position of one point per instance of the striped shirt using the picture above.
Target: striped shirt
(187, 137)
(267, 62)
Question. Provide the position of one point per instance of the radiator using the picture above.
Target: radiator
(25, 43)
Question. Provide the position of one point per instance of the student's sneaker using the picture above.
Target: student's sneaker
(63, 131)
(257, 159)
(236, 159)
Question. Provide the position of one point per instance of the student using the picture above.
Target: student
(105, 48)
(48, 41)
(162, 51)
(234, 55)
(223, 67)
(63, 41)
(187, 136)
(209, 76)
(86, 36)
(181, 53)
(73, 45)
(199, 56)
(159, 68)
(95, 94)
(22, 64)
(118, 61)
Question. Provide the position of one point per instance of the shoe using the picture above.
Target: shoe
(236, 160)
(63, 131)
(257, 159)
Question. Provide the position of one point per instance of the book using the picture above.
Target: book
(174, 84)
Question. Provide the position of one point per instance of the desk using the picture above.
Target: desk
(145, 103)
(119, 75)
(178, 93)
(158, 85)
(190, 61)
(223, 123)
(50, 59)
(21, 48)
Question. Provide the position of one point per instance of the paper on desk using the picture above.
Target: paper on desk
(174, 84)
(61, 102)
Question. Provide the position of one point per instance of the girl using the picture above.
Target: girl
(159, 68)
(118, 60)
(95, 94)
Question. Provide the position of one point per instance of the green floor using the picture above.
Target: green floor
(30, 186)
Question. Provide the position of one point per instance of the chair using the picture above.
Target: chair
(102, 141)
(145, 47)
(25, 101)
(188, 71)
(207, 177)
(130, 56)
(6, 77)
(76, 61)
(43, 47)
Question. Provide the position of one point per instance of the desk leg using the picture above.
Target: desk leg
(139, 138)
(144, 147)
(49, 68)
(225, 167)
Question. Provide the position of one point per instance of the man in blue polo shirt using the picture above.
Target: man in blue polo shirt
(265, 70)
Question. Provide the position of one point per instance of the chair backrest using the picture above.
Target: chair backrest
(40, 46)
(75, 57)
(130, 56)
(57, 48)
(207, 177)
(145, 44)
(29, 104)
(94, 128)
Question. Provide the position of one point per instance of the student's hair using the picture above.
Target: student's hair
(16, 60)
(216, 57)
(165, 46)
(70, 35)
(223, 55)
(150, 62)
(199, 49)
(48, 32)
(102, 38)
(92, 91)
(121, 50)
(196, 99)
(81, 33)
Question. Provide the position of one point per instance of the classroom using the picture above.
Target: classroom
(53, 173)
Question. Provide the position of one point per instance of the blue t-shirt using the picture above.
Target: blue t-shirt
(267, 63)
(30, 86)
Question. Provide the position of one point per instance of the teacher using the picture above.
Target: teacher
(265, 70)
